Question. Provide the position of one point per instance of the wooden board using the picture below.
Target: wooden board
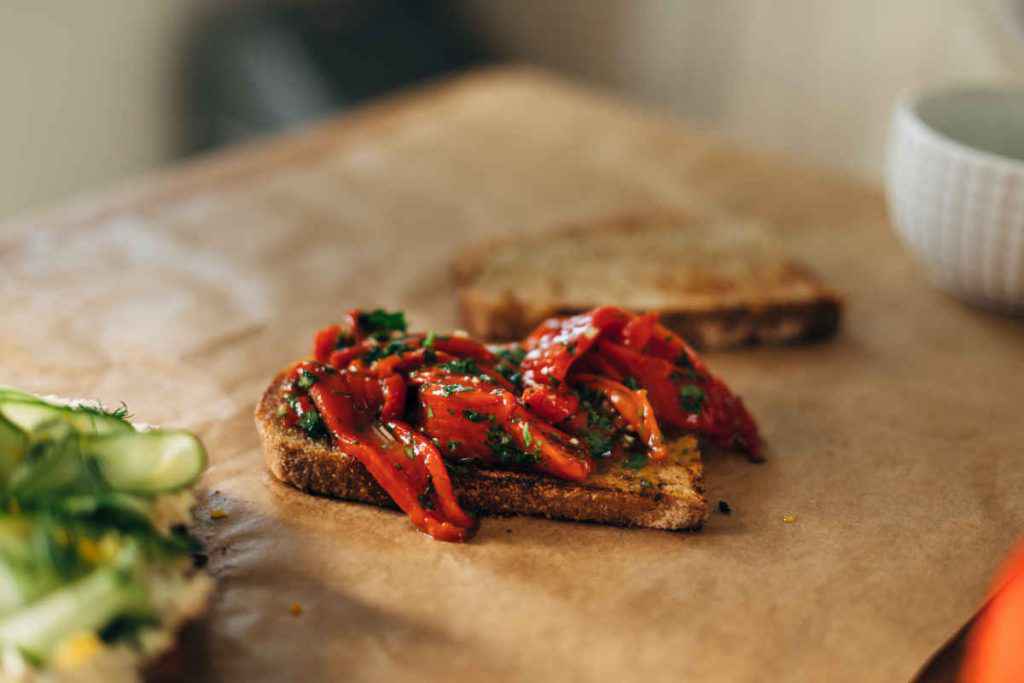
(896, 445)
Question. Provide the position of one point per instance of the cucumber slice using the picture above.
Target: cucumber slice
(152, 462)
(28, 414)
(85, 605)
(13, 444)
(17, 394)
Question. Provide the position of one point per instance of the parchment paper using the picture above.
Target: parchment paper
(896, 446)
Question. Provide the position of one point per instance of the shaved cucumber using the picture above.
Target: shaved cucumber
(13, 444)
(152, 462)
(28, 414)
(85, 605)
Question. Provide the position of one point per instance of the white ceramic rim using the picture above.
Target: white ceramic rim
(907, 108)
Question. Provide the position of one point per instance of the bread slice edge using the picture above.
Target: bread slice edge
(317, 468)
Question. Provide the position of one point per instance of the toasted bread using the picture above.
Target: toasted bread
(718, 282)
(658, 496)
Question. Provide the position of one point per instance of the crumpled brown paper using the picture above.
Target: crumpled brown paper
(896, 446)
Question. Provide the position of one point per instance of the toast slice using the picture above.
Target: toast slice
(667, 495)
(718, 282)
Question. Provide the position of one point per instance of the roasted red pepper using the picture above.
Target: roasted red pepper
(403, 404)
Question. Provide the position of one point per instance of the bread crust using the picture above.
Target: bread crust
(315, 467)
(770, 318)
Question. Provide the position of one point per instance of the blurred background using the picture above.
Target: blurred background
(96, 91)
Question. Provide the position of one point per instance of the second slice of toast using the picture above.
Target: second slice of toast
(666, 495)
(718, 282)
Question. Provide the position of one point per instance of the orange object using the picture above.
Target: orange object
(995, 648)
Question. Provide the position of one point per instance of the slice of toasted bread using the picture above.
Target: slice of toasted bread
(718, 282)
(658, 496)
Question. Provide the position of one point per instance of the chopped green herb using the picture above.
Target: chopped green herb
(505, 449)
(306, 379)
(508, 364)
(474, 416)
(527, 437)
(430, 411)
(389, 349)
(380, 321)
(571, 348)
(449, 389)
(554, 381)
(513, 355)
(461, 366)
(599, 444)
(409, 452)
(631, 383)
(453, 446)
(428, 341)
(635, 460)
(312, 424)
(344, 341)
(691, 397)
(683, 360)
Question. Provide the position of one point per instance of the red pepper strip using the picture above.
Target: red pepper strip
(342, 357)
(444, 494)
(666, 344)
(634, 408)
(393, 390)
(596, 364)
(638, 331)
(325, 342)
(554, 346)
(464, 347)
(722, 416)
(369, 447)
(553, 405)
(462, 415)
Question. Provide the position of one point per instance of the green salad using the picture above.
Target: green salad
(96, 563)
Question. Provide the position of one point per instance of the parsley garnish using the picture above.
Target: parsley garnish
(428, 341)
(449, 389)
(631, 383)
(527, 437)
(409, 452)
(306, 379)
(506, 451)
(453, 446)
(599, 444)
(635, 461)
(461, 366)
(600, 434)
(691, 397)
(312, 424)
(389, 349)
(508, 365)
(474, 416)
(380, 323)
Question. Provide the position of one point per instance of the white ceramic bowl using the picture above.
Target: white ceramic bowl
(955, 183)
